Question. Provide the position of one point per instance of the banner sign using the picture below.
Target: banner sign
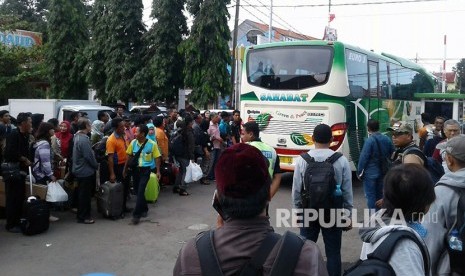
(21, 38)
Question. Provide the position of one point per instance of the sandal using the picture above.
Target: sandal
(183, 192)
(176, 190)
(87, 221)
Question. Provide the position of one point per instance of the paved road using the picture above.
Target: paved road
(116, 247)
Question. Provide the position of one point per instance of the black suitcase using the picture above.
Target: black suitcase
(36, 214)
(110, 199)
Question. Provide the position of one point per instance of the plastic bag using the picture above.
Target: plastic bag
(197, 173)
(55, 193)
(188, 177)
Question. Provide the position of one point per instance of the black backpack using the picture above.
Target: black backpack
(319, 183)
(284, 264)
(377, 262)
(176, 145)
(456, 257)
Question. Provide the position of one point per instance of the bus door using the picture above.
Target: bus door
(373, 88)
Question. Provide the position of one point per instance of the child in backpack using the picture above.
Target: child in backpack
(408, 193)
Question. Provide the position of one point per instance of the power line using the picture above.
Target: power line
(346, 4)
(277, 16)
(262, 20)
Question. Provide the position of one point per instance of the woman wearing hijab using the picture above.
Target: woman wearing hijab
(151, 134)
(97, 131)
(65, 137)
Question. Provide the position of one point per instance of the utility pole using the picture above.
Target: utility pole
(233, 62)
(329, 14)
(270, 28)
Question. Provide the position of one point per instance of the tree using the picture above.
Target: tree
(68, 36)
(96, 49)
(22, 73)
(124, 50)
(206, 51)
(459, 69)
(166, 63)
(25, 15)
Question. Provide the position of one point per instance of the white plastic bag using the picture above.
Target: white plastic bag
(196, 172)
(55, 193)
(188, 177)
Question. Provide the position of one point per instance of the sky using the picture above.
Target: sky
(412, 29)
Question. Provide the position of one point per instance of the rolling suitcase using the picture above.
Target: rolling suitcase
(152, 190)
(110, 199)
(36, 213)
(168, 173)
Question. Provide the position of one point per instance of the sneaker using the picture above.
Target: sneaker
(74, 210)
(53, 219)
(135, 221)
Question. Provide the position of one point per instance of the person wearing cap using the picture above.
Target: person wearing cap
(243, 192)
(443, 211)
(451, 129)
(251, 135)
(322, 138)
(402, 137)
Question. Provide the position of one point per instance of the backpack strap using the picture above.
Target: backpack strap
(307, 158)
(288, 255)
(333, 158)
(384, 250)
(209, 263)
(418, 152)
(255, 264)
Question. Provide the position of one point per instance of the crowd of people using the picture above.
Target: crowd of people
(90, 153)
(397, 175)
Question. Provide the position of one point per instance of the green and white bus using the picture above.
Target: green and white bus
(290, 87)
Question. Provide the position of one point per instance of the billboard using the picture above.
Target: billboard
(21, 38)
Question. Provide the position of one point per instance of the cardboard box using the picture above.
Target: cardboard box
(38, 190)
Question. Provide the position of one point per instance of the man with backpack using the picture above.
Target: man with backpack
(408, 152)
(447, 213)
(246, 244)
(323, 181)
(372, 164)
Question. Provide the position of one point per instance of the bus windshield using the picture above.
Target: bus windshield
(291, 67)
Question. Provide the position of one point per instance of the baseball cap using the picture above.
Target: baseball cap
(401, 127)
(456, 147)
(241, 171)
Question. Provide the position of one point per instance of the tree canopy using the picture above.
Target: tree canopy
(207, 52)
(68, 37)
